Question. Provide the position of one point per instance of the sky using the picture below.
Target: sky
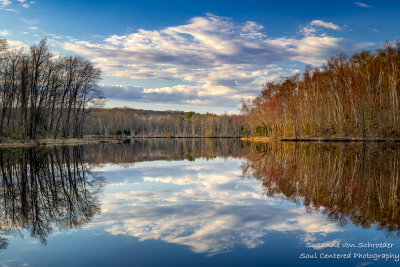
(202, 56)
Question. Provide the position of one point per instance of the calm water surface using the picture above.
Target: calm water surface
(200, 203)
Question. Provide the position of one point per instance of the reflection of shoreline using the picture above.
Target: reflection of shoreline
(334, 171)
(205, 205)
(139, 150)
(348, 182)
(46, 188)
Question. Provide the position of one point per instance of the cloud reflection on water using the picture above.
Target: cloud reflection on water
(205, 205)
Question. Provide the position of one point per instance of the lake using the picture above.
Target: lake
(201, 202)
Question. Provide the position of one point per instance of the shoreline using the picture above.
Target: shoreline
(320, 139)
(13, 143)
(181, 137)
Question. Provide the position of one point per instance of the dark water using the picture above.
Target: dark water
(200, 203)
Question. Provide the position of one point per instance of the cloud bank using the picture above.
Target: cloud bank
(212, 60)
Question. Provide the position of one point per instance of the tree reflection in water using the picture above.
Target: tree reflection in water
(54, 188)
(348, 182)
(43, 189)
(141, 150)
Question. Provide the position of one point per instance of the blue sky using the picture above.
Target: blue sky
(198, 55)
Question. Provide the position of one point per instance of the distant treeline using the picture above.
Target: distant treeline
(136, 122)
(348, 97)
(42, 95)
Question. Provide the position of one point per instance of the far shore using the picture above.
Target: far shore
(92, 139)
(89, 139)
(182, 137)
(122, 137)
(318, 139)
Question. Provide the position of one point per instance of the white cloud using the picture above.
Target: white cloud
(4, 3)
(28, 21)
(17, 44)
(209, 56)
(360, 4)
(4, 33)
(24, 4)
(227, 82)
(328, 25)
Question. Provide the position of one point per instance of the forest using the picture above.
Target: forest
(149, 123)
(43, 95)
(345, 97)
